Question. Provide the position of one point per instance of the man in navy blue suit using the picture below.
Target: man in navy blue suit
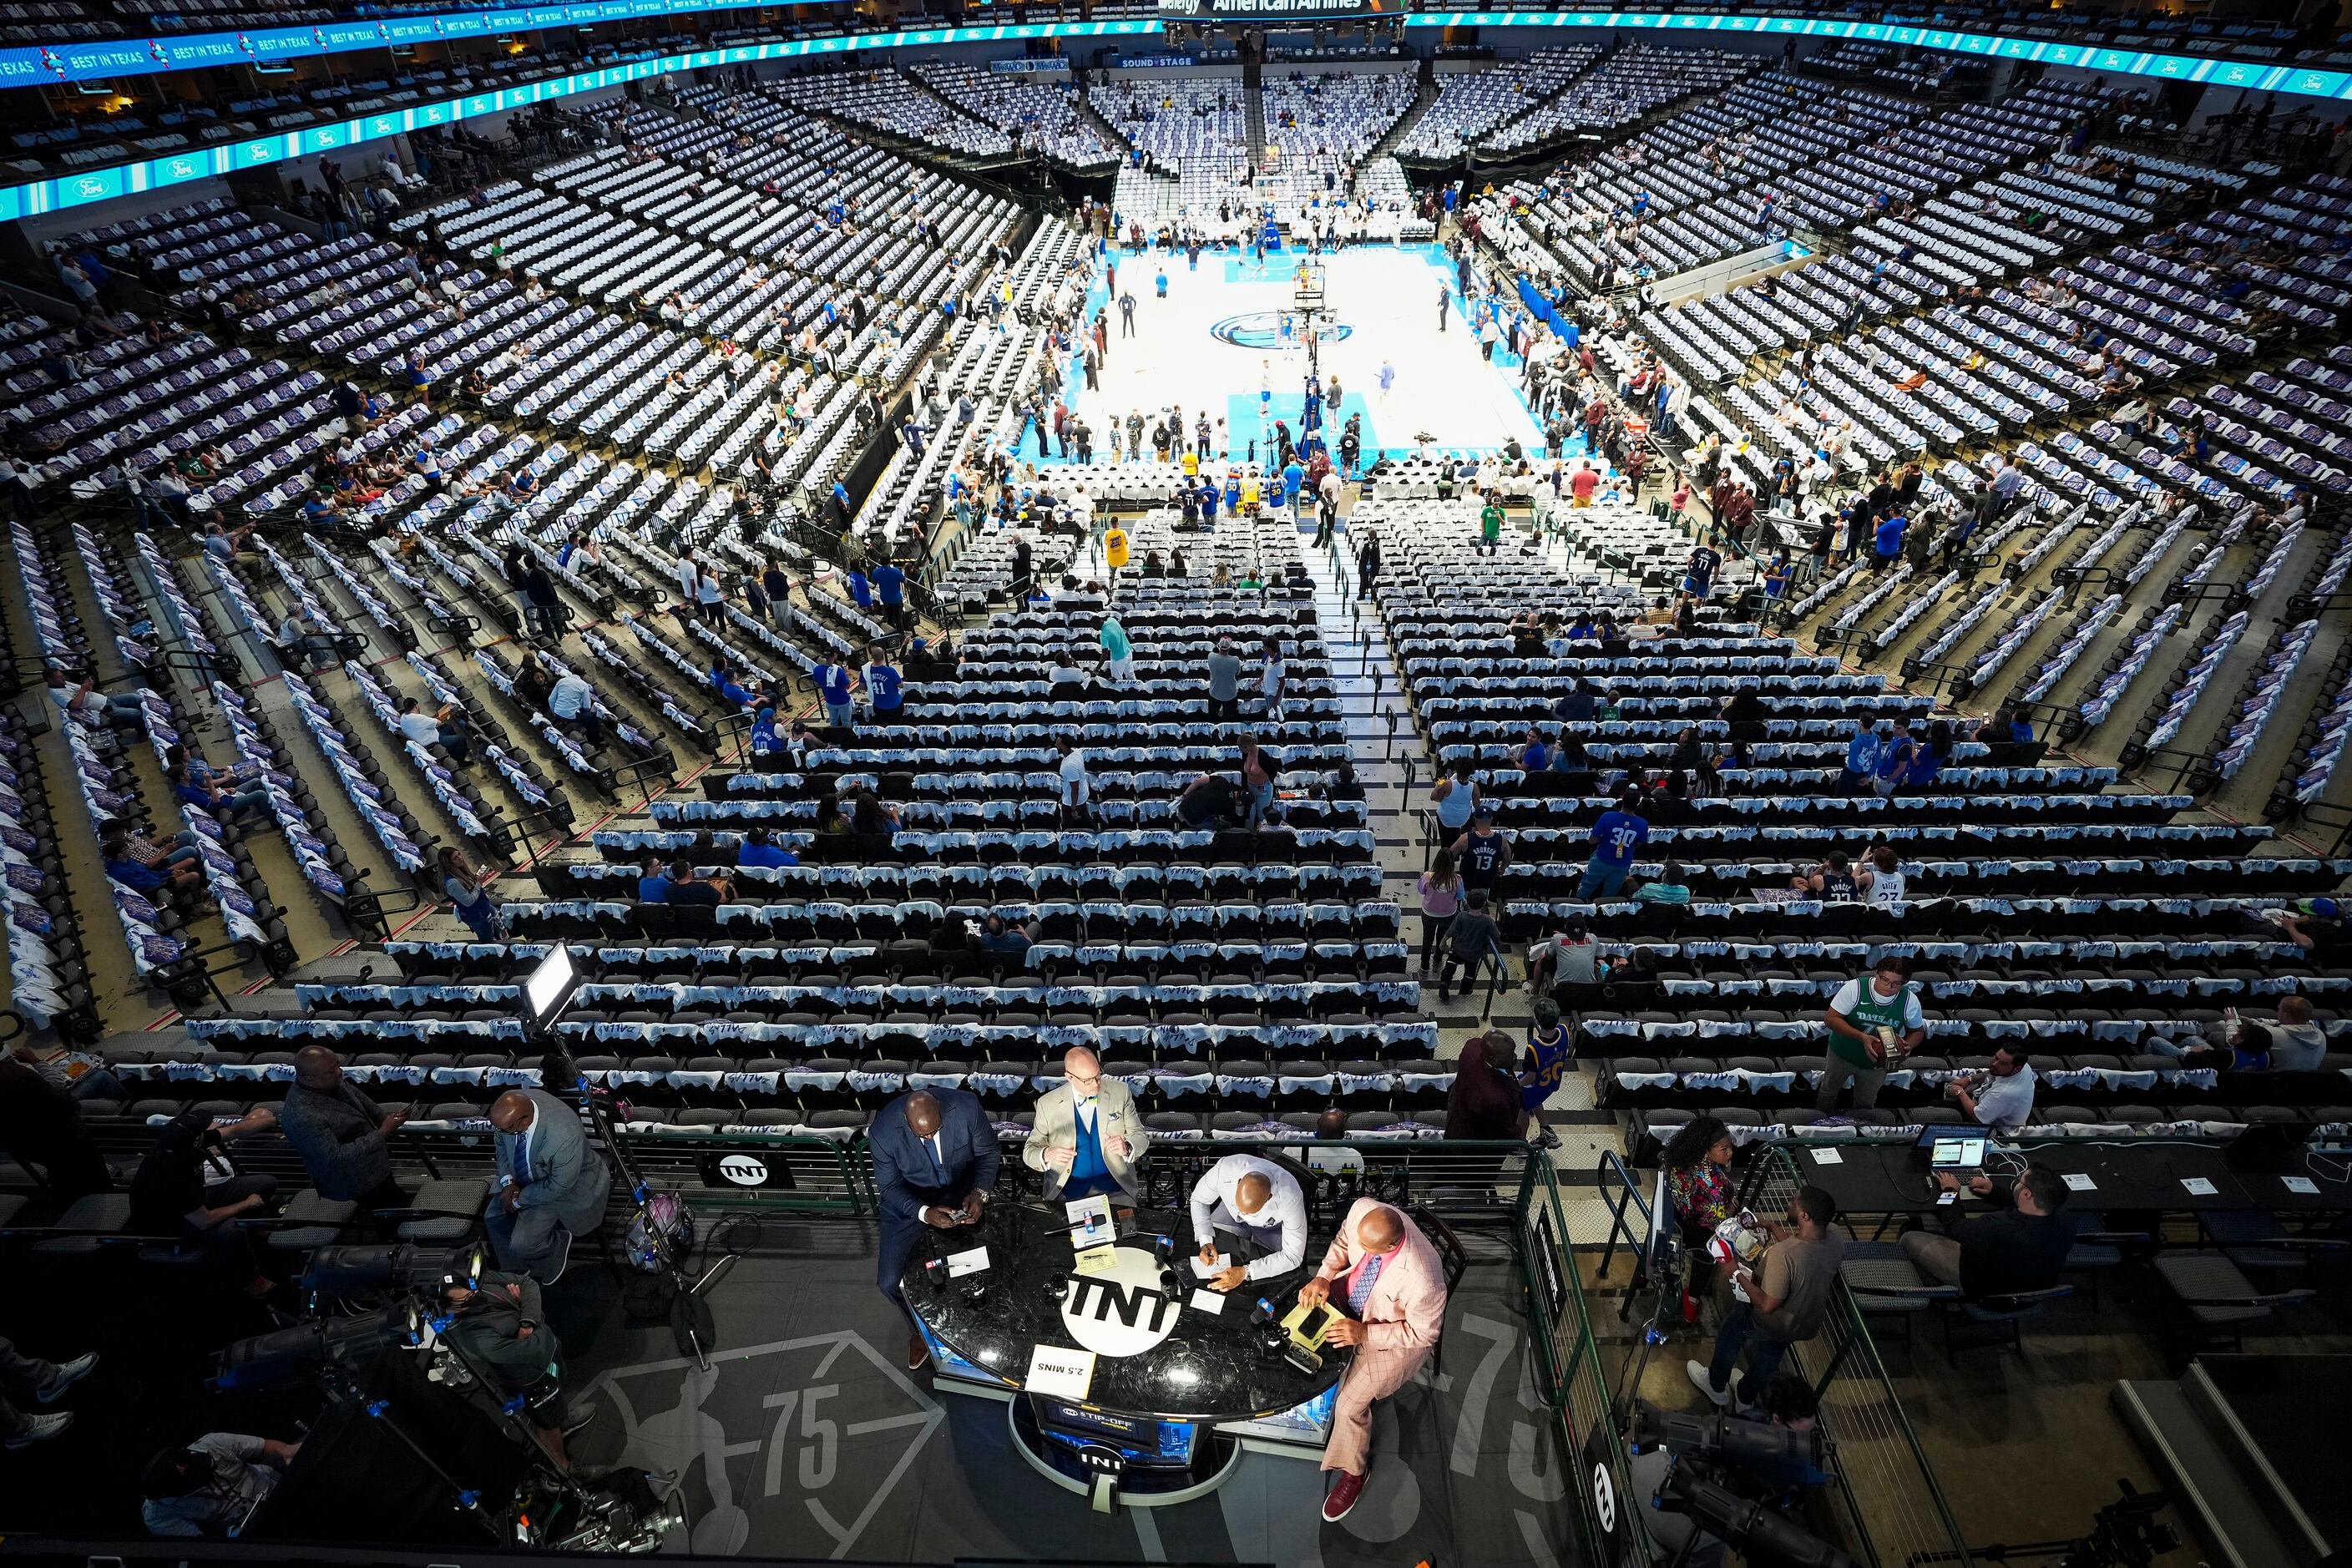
(935, 1159)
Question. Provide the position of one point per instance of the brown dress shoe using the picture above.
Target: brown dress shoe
(919, 1351)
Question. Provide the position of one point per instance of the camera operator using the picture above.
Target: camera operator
(498, 1326)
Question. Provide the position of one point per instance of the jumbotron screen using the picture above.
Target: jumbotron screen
(1277, 10)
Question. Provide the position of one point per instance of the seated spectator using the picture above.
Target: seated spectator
(183, 883)
(572, 700)
(1881, 876)
(2001, 1096)
(339, 1134)
(2021, 1245)
(2293, 1044)
(1833, 880)
(93, 706)
(2317, 929)
(443, 727)
(1207, 802)
(41, 1127)
(1567, 957)
(1340, 783)
(653, 883)
(760, 848)
(171, 1194)
(1671, 887)
(687, 888)
(1002, 938)
(210, 1487)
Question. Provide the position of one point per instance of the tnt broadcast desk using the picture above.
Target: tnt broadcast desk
(1175, 1392)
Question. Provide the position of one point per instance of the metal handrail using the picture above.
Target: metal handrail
(1854, 1349)
(1619, 1194)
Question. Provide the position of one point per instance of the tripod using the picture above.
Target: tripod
(2125, 1533)
(669, 1247)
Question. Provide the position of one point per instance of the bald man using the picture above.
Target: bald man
(339, 1133)
(935, 1160)
(1385, 1281)
(1087, 1136)
(1252, 1211)
(551, 1186)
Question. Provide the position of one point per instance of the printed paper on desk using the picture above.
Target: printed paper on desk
(2303, 1184)
(1208, 1302)
(1097, 1260)
(1203, 1270)
(2076, 1182)
(2198, 1186)
(968, 1262)
(1092, 1216)
(1060, 1373)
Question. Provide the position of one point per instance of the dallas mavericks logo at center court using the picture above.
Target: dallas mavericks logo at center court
(1275, 331)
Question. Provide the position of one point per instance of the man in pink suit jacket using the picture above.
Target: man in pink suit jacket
(1384, 1280)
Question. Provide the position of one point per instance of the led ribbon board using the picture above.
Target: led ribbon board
(83, 189)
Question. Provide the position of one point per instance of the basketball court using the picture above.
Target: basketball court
(1231, 329)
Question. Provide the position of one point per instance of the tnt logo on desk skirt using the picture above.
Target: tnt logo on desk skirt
(1123, 1312)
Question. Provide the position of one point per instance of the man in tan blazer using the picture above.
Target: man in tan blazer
(1385, 1282)
(1087, 1135)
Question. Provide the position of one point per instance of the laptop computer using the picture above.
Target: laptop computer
(1959, 1150)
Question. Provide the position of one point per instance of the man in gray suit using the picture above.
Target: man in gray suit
(1087, 1135)
(550, 1185)
(339, 1133)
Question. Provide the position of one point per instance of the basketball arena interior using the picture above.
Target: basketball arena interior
(1266, 781)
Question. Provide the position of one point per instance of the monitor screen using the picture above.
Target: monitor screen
(545, 988)
(1959, 1154)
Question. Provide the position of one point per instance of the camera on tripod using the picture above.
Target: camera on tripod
(1721, 1473)
(417, 1442)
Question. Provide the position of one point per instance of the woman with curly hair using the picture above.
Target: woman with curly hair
(1697, 1160)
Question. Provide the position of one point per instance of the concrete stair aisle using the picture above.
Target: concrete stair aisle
(1089, 114)
(1397, 132)
(1254, 106)
(1371, 696)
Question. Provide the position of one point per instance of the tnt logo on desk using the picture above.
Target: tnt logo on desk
(1122, 1311)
